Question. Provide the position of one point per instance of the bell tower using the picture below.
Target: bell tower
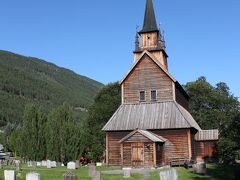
(151, 38)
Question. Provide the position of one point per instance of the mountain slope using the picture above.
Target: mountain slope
(31, 80)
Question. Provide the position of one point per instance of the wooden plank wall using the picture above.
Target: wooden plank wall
(178, 147)
(137, 137)
(181, 99)
(147, 76)
(193, 146)
(114, 147)
(148, 155)
(159, 154)
(127, 154)
(205, 149)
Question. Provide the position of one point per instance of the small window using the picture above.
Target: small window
(153, 95)
(142, 96)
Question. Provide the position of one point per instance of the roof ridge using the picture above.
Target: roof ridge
(178, 106)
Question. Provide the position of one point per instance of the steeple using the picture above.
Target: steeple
(150, 23)
(151, 38)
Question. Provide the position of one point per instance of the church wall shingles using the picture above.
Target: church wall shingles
(147, 76)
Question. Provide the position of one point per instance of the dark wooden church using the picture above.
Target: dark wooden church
(153, 126)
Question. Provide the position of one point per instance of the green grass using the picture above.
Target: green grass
(120, 177)
(48, 174)
(217, 172)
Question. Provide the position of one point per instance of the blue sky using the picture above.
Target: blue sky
(96, 38)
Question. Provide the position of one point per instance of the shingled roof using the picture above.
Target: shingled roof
(158, 115)
(207, 135)
(151, 136)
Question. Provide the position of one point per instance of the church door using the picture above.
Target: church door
(137, 155)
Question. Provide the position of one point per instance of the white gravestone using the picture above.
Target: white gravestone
(168, 174)
(44, 163)
(18, 165)
(9, 175)
(126, 172)
(33, 176)
(49, 164)
(53, 164)
(200, 168)
(71, 165)
(29, 164)
(98, 164)
(39, 163)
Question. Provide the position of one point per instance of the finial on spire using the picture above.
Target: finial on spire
(161, 39)
(136, 40)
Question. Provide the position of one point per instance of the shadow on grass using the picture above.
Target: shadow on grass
(220, 172)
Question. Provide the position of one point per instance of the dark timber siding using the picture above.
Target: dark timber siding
(177, 147)
(114, 147)
(127, 154)
(147, 76)
(181, 99)
(205, 149)
(137, 137)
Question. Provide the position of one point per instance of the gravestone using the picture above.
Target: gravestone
(91, 170)
(77, 164)
(200, 168)
(9, 175)
(49, 164)
(33, 176)
(29, 164)
(39, 164)
(44, 163)
(96, 175)
(98, 164)
(59, 164)
(53, 164)
(168, 174)
(71, 165)
(126, 172)
(34, 164)
(18, 165)
(69, 176)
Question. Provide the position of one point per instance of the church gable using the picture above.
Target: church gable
(146, 76)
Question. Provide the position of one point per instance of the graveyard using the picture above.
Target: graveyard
(112, 173)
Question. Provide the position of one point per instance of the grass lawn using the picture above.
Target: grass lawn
(217, 172)
(48, 174)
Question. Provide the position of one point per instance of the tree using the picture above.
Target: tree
(215, 107)
(32, 139)
(63, 135)
(105, 104)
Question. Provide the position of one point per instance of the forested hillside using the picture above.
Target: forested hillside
(25, 80)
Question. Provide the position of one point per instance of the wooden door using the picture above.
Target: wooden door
(137, 155)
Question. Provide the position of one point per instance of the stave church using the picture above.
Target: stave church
(153, 126)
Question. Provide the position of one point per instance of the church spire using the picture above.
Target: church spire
(150, 23)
